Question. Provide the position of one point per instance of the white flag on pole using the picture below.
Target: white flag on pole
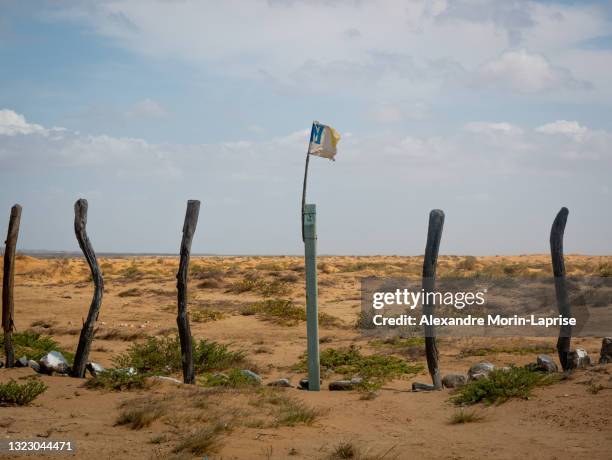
(323, 141)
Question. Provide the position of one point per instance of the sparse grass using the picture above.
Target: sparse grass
(524, 350)
(501, 385)
(285, 313)
(344, 450)
(287, 410)
(205, 316)
(210, 284)
(203, 441)
(468, 263)
(163, 355)
(463, 416)
(128, 335)
(131, 272)
(372, 368)
(259, 286)
(117, 380)
(140, 417)
(132, 292)
(235, 378)
(20, 394)
(398, 342)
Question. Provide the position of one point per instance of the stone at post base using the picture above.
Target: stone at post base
(578, 359)
(546, 364)
(94, 369)
(454, 380)
(282, 383)
(303, 385)
(416, 387)
(34, 365)
(21, 362)
(480, 370)
(52, 362)
(605, 355)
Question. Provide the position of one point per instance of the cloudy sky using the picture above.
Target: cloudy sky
(497, 112)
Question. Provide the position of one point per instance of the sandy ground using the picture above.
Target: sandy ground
(52, 296)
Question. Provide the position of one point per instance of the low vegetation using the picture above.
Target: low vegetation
(162, 355)
(501, 385)
(34, 345)
(235, 378)
(463, 416)
(13, 393)
(203, 441)
(206, 315)
(261, 287)
(285, 313)
(140, 417)
(117, 380)
(373, 369)
(521, 350)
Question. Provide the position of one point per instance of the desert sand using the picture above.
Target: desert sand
(52, 296)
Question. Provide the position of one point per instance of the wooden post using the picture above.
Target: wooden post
(87, 332)
(182, 320)
(8, 282)
(312, 313)
(434, 235)
(563, 305)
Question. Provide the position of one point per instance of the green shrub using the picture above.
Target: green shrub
(163, 355)
(20, 394)
(350, 361)
(34, 345)
(117, 380)
(501, 385)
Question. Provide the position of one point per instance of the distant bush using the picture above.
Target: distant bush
(20, 394)
(468, 263)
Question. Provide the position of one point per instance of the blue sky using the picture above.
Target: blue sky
(496, 112)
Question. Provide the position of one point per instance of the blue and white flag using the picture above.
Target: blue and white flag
(323, 141)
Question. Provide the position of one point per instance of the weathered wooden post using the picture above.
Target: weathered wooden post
(182, 320)
(8, 282)
(312, 309)
(87, 332)
(563, 305)
(434, 235)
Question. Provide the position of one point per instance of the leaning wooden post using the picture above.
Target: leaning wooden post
(312, 309)
(563, 305)
(8, 303)
(182, 320)
(87, 332)
(434, 235)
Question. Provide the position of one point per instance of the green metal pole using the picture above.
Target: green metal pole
(312, 315)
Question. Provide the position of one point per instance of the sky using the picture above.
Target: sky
(497, 112)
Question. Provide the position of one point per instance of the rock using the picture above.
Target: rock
(21, 362)
(578, 359)
(454, 380)
(34, 365)
(163, 378)
(605, 356)
(53, 361)
(283, 383)
(303, 385)
(94, 369)
(1, 364)
(480, 370)
(546, 364)
(251, 375)
(341, 385)
(422, 387)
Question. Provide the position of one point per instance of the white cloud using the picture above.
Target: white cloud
(387, 114)
(568, 128)
(526, 72)
(259, 40)
(488, 127)
(12, 123)
(146, 109)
